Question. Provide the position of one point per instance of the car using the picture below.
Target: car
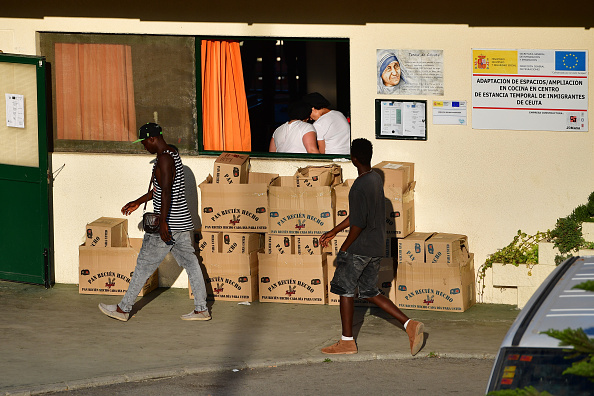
(529, 358)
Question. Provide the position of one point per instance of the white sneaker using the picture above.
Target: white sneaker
(112, 312)
(202, 315)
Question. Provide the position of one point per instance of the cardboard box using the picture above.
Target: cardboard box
(396, 174)
(386, 283)
(318, 176)
(280, 244)
(284, 181)
(209, 242)
(259, 177)
(400, 211)
(341, 193)
(231, 168)
(235, 242)
(234, 207)
(308, 244)
(109, 270)
(107, 232)
(447, 248)
(300, 211)
(290, 278)
(230, 277)
(412, 248)
(436, 287)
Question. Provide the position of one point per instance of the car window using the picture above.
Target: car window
(541, 368)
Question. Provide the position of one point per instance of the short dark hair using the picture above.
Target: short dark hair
(316, 100)
(299, 110)
(362, 149)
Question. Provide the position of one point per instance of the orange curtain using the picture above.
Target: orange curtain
(94, 92)
(226, 122)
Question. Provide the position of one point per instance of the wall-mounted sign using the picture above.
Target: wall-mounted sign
(409, 72)
(545, 90)
(15, 110)
(401, 119)
(449, 112)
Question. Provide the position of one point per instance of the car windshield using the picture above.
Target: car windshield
(541, 368)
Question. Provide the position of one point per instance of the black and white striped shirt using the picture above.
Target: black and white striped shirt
(179, 218)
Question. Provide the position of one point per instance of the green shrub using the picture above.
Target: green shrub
(567, 235)
(580, 214)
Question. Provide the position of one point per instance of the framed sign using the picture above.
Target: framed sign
(401, 119)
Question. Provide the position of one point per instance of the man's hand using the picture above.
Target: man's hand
(130, 207)
(326, 238)
(164, 231)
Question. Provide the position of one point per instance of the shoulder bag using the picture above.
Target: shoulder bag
(150, 220)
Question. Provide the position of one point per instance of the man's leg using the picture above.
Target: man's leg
(151, 254)
(368, 287)
(389, 307)
(347, 311)
(185, 255)
(344, 284)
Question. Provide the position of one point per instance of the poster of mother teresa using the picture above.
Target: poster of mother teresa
(409, 72)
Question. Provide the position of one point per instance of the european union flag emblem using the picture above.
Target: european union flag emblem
(570, 60)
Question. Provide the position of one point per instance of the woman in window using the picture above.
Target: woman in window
(296, 135)
(332, 127)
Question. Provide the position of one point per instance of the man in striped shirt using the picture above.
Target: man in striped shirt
(175, 228)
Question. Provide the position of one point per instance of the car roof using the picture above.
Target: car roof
(555, 305)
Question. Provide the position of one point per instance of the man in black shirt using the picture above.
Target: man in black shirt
(359, 257)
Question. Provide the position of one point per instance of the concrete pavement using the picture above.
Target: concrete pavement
(57, 339)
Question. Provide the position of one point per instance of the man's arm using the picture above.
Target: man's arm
(164, 174)
(354, 232)
(328, 236)
(133, 205)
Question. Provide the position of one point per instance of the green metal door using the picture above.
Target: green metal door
(24, 187)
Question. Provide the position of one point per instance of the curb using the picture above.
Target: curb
(180, 372)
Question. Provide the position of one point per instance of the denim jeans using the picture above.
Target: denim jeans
(354, 271)
(152, 253)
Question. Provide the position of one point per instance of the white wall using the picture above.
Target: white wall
(485, 184)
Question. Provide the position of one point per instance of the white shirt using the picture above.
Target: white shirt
(335, 130)
(288, 138)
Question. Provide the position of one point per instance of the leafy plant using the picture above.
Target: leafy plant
(527, 391)
(576, 338)
(567, 237)
(523, 249)
(587, 286)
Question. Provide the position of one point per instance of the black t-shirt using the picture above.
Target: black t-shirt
(367, 207)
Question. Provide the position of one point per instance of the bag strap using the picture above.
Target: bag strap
(150, 185)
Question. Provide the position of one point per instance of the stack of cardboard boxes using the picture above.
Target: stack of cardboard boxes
(234, 209)
(293, 268)
(108, 257)
(435, 272)
(260, 239)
